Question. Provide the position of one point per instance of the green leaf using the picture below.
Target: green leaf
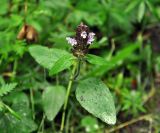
(46, 57)
(61, 64)
(15, 114)
(43, 55)
(15, 97)
(97, 60)
(10, 124)
(90, 124)
(119, 81)
(125, 52)
(53, 99)
(115, 61)
(1, 106)
(95, 97)
(4, 8)
(141, 11)
(150, 6)
(6, 88)
(131, 6)
(157, 64)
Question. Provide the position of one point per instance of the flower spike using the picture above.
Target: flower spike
(81, 41)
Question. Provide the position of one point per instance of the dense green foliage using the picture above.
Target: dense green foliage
(117, 82)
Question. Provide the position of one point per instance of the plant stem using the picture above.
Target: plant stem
(25, 10)
(32, 103)
(57, 79)
(67, 95)
(15, 114)
(78, 69)
(41, 124)
(67, 121)
(15, 64)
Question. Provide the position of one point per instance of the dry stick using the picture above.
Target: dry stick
(144, 117)
(67, 95)
(150, 94)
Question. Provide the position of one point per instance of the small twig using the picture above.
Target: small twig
(13, 73)
(7, 74)
(147, 117)
(41, 124)
(25, 10)
(150, 94)
(112, 49)
(150, 126)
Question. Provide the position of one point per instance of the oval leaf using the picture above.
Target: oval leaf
(141, 11)
(115, 61)
(47, 57)
(53, 99)
(62, 63)
(95, 97)
(97, 60)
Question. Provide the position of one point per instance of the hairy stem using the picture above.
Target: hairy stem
(67, 95)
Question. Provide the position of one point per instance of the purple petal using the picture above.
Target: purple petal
(71, 41)
(90, 37)
(83, 34)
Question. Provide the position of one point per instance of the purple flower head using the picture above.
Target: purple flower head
(90, 38)
(81, 41)
(71, 41)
